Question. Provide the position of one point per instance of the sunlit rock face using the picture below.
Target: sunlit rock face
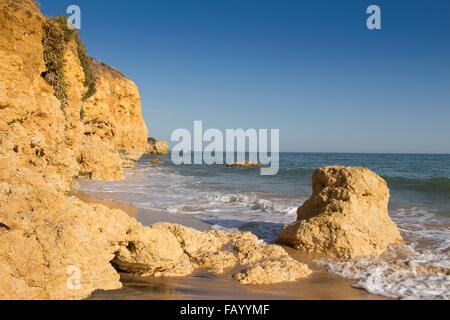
(53, 246)
(346, 216)
(156, 148)
(44, 144)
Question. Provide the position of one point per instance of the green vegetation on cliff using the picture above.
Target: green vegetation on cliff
(56, 34)
(54, 60)
(89, 78)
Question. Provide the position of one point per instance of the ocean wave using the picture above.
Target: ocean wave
(437, 184)
(242, 200)
(402, 272)
(298, 171)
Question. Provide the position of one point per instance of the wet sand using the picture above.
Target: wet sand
(320, 285)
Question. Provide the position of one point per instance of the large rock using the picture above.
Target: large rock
(346, 216)
(152, 251)
(57, 247)
(156, 148)
(217, 251)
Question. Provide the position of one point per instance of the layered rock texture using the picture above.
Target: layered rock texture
(185, 250)
(346, 216)
(63, 115)
(156, 148)
(50, 132)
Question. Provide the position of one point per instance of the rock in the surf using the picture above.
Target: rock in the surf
(154, 161)
(156, 148)
(244, 164)
(346, 216)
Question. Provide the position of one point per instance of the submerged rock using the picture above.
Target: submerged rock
(346, 216)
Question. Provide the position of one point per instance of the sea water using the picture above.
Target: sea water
(241, 199)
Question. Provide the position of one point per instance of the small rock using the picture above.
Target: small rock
(156, 148)
(244, 164)
(154, 161)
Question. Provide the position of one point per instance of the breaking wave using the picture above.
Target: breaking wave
(419, 269)
(402, 272)
(242, 200)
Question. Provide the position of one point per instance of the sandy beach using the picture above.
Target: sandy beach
(206, 286)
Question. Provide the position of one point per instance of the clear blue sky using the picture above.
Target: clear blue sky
(309, 68)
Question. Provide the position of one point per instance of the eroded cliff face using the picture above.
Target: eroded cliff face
(32, 125)
(93, 138)
(53, 246)
(114, 114)
(44, 144)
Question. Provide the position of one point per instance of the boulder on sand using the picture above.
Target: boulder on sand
(346, 216)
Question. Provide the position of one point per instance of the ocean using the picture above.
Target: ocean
(241, 199)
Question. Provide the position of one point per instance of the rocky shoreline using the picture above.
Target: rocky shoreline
(64, 115)
(203, 285)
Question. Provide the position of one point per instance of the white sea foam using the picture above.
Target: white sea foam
(159, 188)
(399, 273)
(253, 203)
(417, 270)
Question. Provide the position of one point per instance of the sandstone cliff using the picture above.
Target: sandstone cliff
(63, 115)
(50, 132)
(62, 139)
(346, 216)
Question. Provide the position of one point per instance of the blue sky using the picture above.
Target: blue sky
(309, 68)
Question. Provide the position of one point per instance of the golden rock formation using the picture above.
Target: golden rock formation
(156, 148)
(346, 216)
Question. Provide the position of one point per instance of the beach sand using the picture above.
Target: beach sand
(201, 285)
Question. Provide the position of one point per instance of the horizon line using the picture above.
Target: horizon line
(340, 152)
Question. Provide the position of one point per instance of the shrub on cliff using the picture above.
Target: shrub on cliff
(89, 78)
(54, 60)
(67, 32)
(56, 34)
